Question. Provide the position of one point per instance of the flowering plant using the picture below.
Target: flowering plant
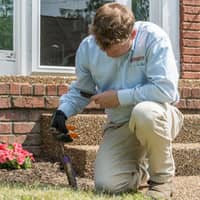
(13, 156)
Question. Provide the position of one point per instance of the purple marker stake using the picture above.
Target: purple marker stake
(69, 171)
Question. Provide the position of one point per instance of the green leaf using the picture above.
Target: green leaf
(10, 146)
(27, 163)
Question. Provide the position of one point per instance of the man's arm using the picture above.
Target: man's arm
(74, 102)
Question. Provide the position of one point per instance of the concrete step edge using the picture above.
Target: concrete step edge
(89, 127)
(186, 146)
(104, 115)
(186, 158)
(95, 147)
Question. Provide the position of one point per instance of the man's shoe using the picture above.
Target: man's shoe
(159, 191)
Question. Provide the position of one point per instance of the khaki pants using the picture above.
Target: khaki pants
(127, 147)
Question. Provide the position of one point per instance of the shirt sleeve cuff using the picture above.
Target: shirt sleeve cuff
(125, 97)
(67, 112)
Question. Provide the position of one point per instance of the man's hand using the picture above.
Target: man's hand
(60, 130)
(58, 121)
(107, 99)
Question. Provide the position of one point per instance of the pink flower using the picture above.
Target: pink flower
(17, 147)
(3, 158)
(16, 153)
(21, 159)
(3, 146)
(10, 155)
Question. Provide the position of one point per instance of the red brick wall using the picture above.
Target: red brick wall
(21, 105)
(190, 38)
(190, 97)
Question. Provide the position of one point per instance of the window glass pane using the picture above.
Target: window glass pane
(6, 24)
(141, 9)
(64, 23)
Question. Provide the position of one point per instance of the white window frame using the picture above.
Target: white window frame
(16, 61)
(8, 57)
(23, 46)
(36, 67)
(158, 15)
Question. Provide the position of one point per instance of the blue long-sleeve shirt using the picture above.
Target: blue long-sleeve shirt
(147, 72)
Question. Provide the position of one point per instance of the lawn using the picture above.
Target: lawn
(37, 192)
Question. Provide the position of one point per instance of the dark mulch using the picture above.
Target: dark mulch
(42, 173)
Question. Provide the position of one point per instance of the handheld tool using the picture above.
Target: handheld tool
(65, 159)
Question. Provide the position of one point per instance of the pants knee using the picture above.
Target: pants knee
(145, 113)
(148, 118)
(113, 185)
(107, 185)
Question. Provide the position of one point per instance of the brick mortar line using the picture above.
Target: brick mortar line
(32, 87)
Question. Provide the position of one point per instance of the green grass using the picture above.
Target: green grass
(37, 192)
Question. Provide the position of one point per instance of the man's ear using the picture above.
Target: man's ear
(133, 34)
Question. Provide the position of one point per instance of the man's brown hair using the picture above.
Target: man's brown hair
(112, 24)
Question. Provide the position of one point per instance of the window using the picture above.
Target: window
(43, 35)
(15, 37)
(160, 12)
(6, 30)
(63, 24)
(141, 9)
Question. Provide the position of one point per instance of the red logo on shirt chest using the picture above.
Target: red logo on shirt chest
(138, 58)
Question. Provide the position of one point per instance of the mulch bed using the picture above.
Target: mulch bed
(42, 173)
